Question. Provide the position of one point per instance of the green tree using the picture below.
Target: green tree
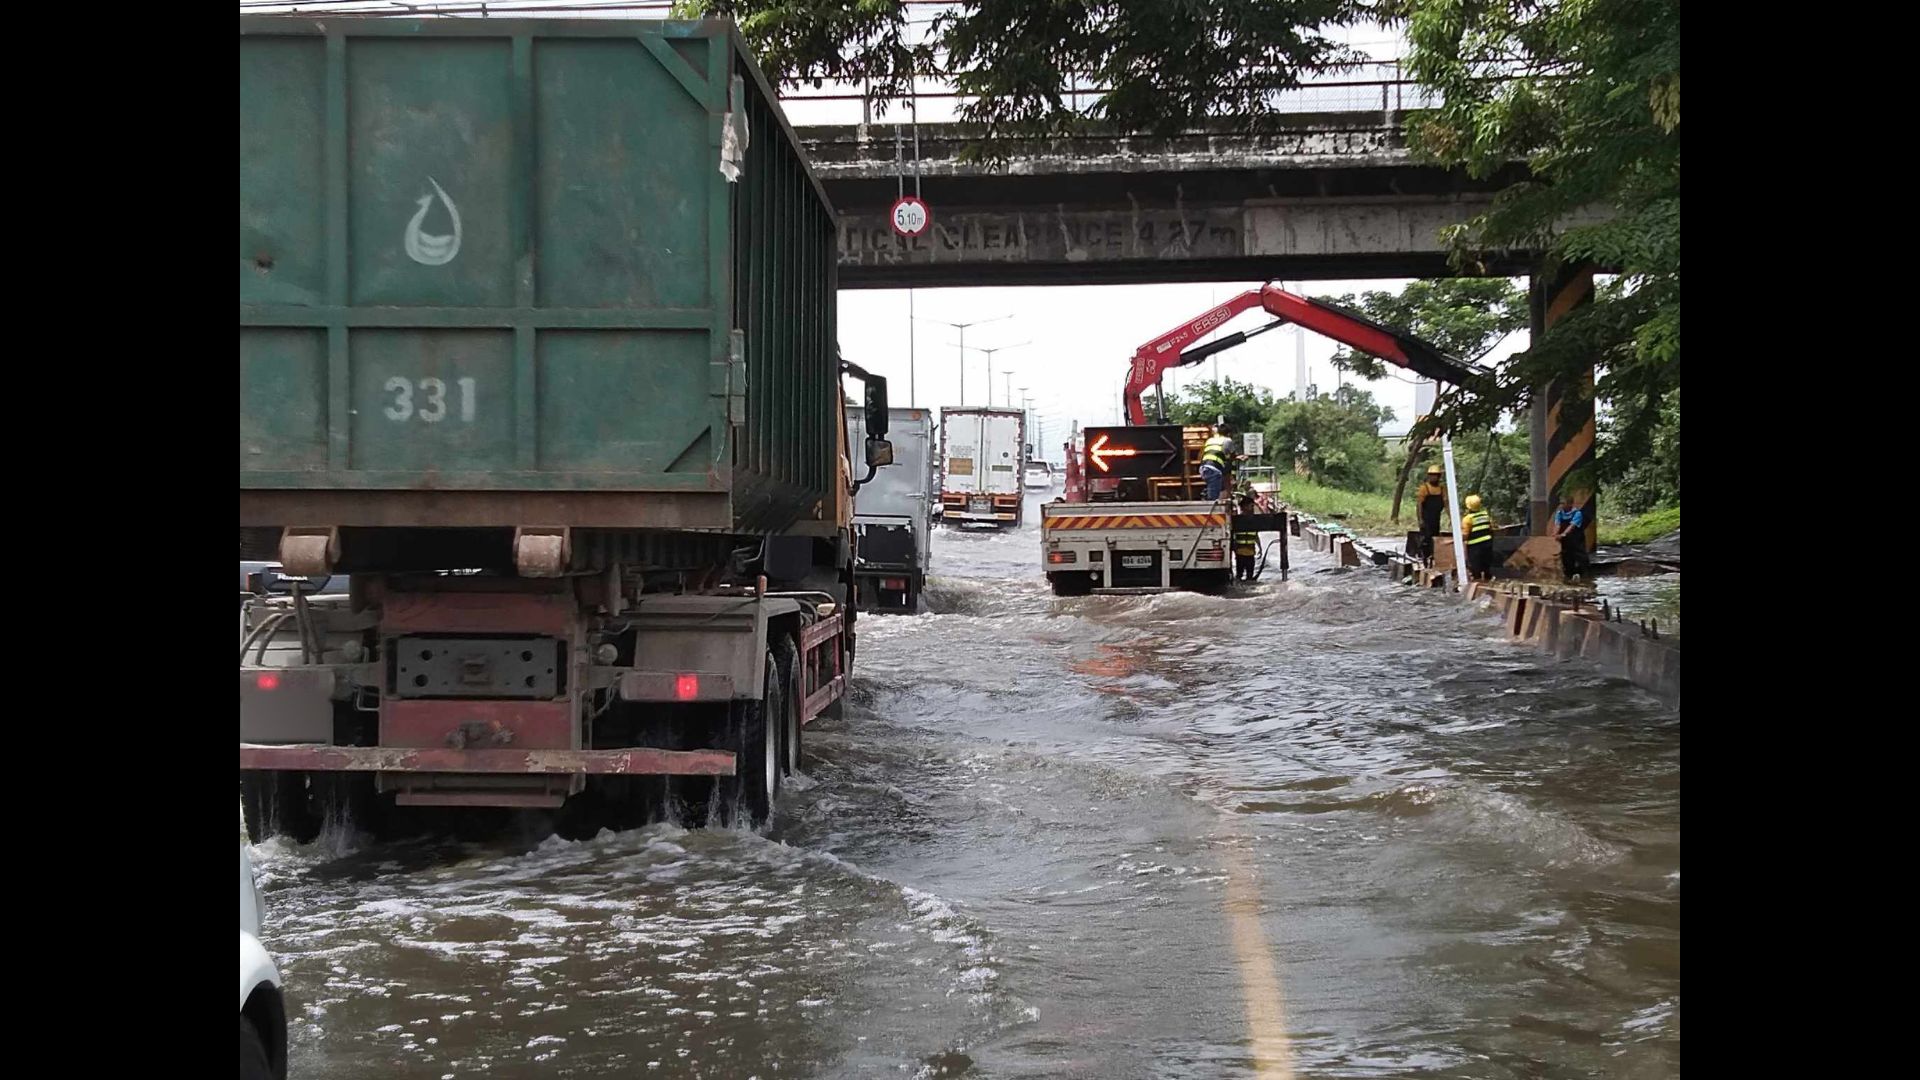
(1244, 406)
(1463, 317)
(1336, 438)
(1162, 64)
(1495, 466)
(1652, 481)
(1588, 95)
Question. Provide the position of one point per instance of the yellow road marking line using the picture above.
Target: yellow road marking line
(1259, 975)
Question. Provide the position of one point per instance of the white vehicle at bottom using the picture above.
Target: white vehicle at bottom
(263, 1011)
(1135, 547)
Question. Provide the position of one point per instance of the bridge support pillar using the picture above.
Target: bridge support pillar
(1563, 428)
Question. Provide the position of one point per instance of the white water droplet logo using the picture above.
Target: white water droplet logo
(428, 250)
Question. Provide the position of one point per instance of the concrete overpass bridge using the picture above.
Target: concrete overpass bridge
(1319, 195)
(1328, 195)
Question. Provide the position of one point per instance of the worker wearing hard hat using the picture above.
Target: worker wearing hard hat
(1430, 499)
(1215, 460)
(1479, 529)
(1246, 545)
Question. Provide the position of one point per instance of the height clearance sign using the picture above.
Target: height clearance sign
(1132, 452)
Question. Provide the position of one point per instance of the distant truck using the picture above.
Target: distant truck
(892, 516)
(536, 354)
(985, 457)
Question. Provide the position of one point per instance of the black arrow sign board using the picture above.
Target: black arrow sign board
(1133, 452)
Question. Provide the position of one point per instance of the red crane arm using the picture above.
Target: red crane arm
(1163, 352)
(1169, 350)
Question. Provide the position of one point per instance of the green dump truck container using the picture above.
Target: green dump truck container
(537, 348)
(502, 274)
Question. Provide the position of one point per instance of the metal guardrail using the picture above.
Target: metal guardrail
(1369, 86)
(1375, 86)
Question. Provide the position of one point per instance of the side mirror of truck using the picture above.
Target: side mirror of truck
(879, 453)
(876, 388)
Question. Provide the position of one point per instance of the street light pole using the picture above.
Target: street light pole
(990, 352)
(962, 327)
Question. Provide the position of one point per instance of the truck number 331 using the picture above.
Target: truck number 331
(426, 399)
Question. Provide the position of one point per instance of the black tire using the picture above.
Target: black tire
(254, 1062)
(786, 659)
(276, 804)
(753, 790)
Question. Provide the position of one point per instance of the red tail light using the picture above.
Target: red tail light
(686, 687)
(267, 680)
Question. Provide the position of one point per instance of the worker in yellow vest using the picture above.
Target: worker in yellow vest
(1215, 460)
(1246, 545)
(1478, 525)
(1431, 499)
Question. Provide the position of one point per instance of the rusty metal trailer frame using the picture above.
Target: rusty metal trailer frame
(823, 670)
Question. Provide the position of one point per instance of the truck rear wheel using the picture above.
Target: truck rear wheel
(786, 658)
(754, 788)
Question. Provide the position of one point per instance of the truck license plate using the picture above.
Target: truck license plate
(1136, 562)
(980, 505)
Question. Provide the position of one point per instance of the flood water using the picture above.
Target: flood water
(1329, 827)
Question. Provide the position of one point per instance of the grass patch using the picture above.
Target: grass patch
(1651, 525)
(1366, 512)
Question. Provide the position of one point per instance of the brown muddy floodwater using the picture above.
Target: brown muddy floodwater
(1328, 828)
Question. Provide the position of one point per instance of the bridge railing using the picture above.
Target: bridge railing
(1381, 86)
(1371, 86)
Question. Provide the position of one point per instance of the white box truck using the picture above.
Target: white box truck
(985, 452)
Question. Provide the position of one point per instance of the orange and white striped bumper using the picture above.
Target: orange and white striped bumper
(1137, 521)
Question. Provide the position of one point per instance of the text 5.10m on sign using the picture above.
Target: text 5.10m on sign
(910, 216)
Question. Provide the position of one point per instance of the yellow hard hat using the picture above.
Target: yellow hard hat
(1433, 470)
(1473, 502)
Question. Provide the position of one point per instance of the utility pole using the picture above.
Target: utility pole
(962, 327)
(1299, 362)
(990, 352)
(911, 401)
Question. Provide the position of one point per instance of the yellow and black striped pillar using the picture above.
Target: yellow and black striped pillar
(1564, 438)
